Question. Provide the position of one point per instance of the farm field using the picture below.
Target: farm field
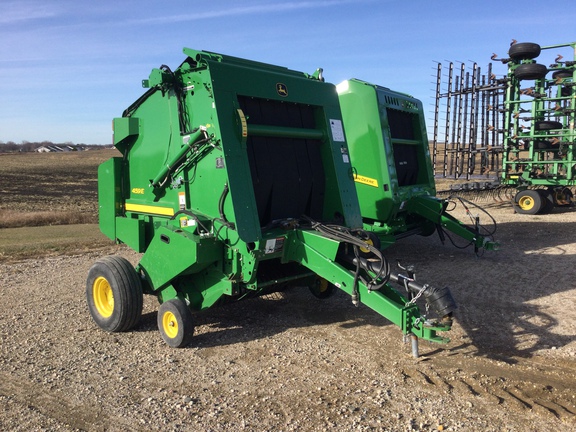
(52, 199)
(286, 361)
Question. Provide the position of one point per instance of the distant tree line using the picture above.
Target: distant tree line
(29, 146)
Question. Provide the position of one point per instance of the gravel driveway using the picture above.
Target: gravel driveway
(289, 361)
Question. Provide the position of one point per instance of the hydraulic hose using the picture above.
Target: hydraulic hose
(378, 269)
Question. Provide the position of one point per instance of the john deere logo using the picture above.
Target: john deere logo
(282, 89)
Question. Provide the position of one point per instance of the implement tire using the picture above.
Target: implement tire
(524, 51)
(530, 71)
(561, 74)
(321, 288)
(528, 202)
(547, 125)
(547, 199)
(114, 294)
(175, 323)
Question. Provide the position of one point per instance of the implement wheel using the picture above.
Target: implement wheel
(547, 200)
(547, 125)
(524, 51)
(114, 294)
(528, 202)
(530, 71)
(562, 74)
(321, 288)
(371, 240)
(175, 323)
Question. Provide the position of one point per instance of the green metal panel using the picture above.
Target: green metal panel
(403, 120)
(372, 157)
(109, 202)
(173, 252)
(125, 131)
(389, 150)
(131, 231)
(261, 83)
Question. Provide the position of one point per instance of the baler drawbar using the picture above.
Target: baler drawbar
(235, 180)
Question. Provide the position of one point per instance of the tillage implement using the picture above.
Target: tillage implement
(539, 155)
(512, 134)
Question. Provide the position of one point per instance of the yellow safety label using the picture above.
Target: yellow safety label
(141, 208)
(366, 180)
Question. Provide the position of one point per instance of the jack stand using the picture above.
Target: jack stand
(413, 344)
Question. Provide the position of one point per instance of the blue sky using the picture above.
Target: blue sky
(67, 67)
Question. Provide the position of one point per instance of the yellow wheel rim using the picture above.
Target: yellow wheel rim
(526, 203)
(170, 324)
(365, 249)
(322, 285)
(103, 297)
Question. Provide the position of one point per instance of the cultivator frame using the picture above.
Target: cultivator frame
(466, 122)
(521, 126)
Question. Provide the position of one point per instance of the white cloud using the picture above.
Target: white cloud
(17, 12)
(257, 9)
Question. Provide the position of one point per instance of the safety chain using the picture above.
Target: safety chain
(418, 295)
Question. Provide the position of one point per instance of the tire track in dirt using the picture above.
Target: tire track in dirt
(520, 391)
(57, 407)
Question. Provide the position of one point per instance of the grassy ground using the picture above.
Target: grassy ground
(49, 203)
(28, 242)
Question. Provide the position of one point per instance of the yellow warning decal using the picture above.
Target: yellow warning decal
(243, 123)
(141, 208)
(365, 180)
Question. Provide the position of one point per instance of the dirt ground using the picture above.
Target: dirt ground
(292, 362)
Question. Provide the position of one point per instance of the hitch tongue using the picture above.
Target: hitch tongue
(439, 299)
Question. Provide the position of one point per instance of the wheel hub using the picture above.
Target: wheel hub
(526, 203)
(103, 297)
(170, 324)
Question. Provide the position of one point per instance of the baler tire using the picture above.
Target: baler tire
(530, 71)
(528, 202)
(175, 323)
(114, 294)
(321, 288)
(428, 228)
(374, 241)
